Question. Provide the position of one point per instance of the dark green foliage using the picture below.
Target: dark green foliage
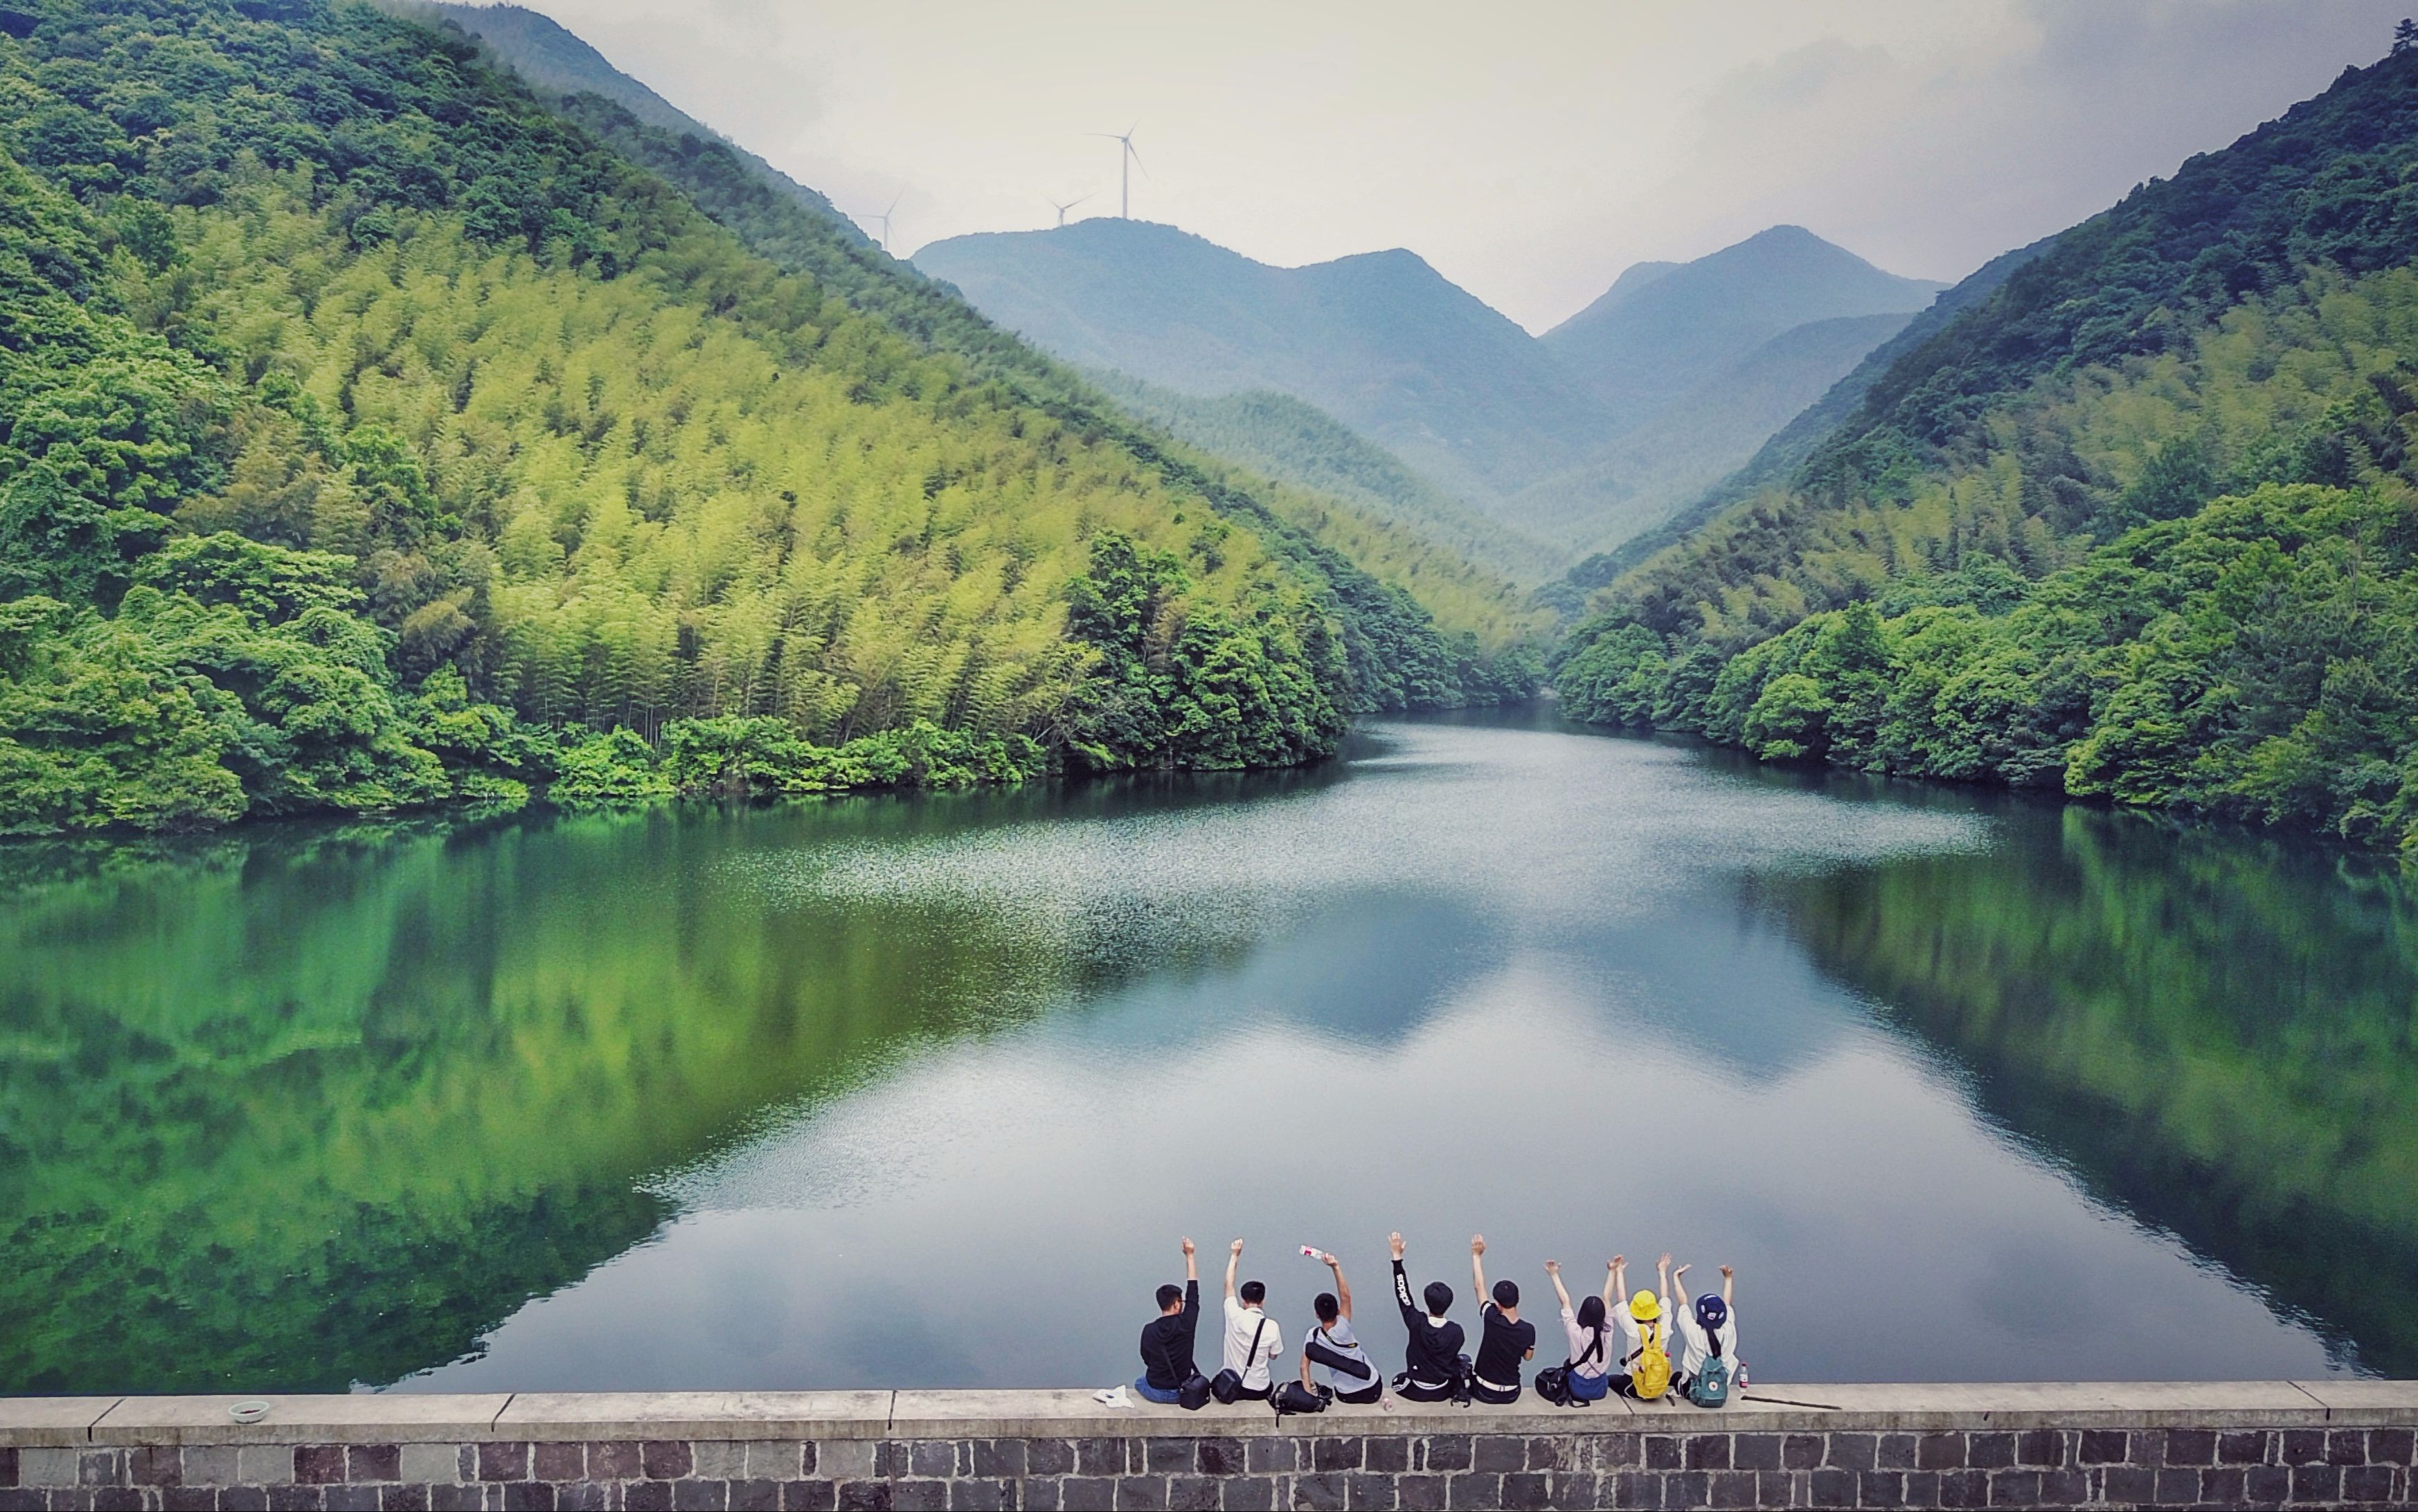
(1395, 656)
(1173, 688)
(2256, 660)
(2140, 524)
(241, 575)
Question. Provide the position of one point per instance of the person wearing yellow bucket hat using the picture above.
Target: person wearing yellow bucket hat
(1646, 1331)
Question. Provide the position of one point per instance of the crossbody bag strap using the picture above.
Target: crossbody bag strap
(1253, 1352)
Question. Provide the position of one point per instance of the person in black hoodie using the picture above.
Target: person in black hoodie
(1432, 1365)
(1167, 1339)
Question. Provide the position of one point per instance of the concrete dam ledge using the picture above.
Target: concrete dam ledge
(2212, 1444)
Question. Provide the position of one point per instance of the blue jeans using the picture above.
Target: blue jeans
(1152, 1394)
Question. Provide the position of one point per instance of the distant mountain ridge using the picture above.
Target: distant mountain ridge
(1645, 341)
(1381, 341)
(1623, 417)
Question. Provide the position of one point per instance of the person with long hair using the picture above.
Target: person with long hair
(1589, 1328)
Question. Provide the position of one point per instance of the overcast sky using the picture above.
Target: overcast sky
(1529, 151)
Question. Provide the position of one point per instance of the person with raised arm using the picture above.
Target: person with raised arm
(1645, 1325)
(1332, 1347)
(1253, 1337)
(1167, 1339)
(1506, 1340)
(1709, 1368)
(1432, 1365)
(1589, 1371)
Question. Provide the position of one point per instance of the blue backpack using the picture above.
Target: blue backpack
(1710, 1386)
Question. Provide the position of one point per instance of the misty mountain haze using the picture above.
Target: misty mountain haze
(1381, 341)
(1612, 422)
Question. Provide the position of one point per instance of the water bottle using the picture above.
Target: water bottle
(1313, 1252)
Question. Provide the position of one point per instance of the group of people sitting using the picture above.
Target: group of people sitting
(1336, 1365)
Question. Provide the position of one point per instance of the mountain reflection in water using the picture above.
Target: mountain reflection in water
(922, 1092)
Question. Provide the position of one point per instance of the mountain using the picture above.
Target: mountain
(1292, 442)
(2138, 522)
(1381, 341)
(556, 61)
(395, 441)
(1649, 473)
(1651, 339)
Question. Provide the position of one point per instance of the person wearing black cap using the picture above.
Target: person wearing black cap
(1432, 1365)
(1507, 1340)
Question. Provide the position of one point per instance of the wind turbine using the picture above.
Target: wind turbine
(884, 218)
(1127, 158)
(1061, 209)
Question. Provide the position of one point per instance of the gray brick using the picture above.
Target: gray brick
(349, 1498)
(1707, 1451)
(189, 1499)
(1146, 1492)
(2266, 1485)
(698, 1495)
(1527, 1491)
(1731, 1489)
(1496, 1453)
(1853, 1451)
(431, 1463)
(265, 1464)
(1254, 1493)
(1476, 1490)
(920, 1495)
(1048, 1457)
(1895, 1451)
(1443, 1451)
(808, 1496)
(1336, 1452)
(510, 1462)
(1191, 1493)
(588, 1496)
(1086, 1494)
(865, 1495)
(985, 1493)
(1166, 1457)
(1270, 1455)
(1419, 1494)
(2368, 1483)
(1940, 1451)
(1636, 1487)
(1368, 1491)
(1099, 1457)
(47, 1467)
(843, 1459)
(754, 1496)
(373, 1462)
(101, 1467)
(1390, 1455)
(1662, 1452)
(718, 1459)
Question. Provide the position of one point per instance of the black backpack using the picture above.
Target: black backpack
(1292, 1396)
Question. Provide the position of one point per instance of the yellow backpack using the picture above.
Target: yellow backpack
(1649, 1369)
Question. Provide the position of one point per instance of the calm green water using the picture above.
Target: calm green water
(922, 1093)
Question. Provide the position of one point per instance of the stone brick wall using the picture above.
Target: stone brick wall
(1433, 1461)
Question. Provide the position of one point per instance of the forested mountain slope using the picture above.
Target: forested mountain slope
(1289, 439)
(1688, 445)
(2141, 522)
(557, 62)
(1779, 457)
(1381, 341)
(370, 437)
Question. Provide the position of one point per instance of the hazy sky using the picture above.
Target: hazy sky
(1529, 151)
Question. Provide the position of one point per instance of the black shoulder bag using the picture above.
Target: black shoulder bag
(1226, 1385)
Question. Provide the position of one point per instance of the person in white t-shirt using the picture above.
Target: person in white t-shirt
(1352, 1376)
(1707, 1325)
(1252, 1339)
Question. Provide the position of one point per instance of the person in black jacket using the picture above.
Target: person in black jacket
(1433, 1367)
(1167, 1339)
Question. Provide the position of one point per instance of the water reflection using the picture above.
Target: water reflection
(920, 1091)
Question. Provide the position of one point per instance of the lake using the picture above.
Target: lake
(922, 1092)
